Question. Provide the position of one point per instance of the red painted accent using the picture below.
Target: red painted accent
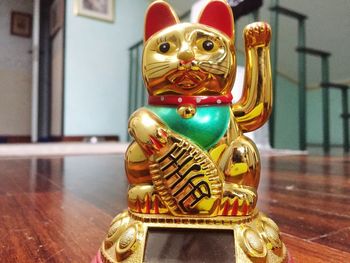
(148, 149)
(244, 209)
(147, 204)
(158, 17)
(234, 208)
(156, 142)
(163, 133)
(138, 206)
(156, 205)
(226, 206)
(195, 100)
(218, 14)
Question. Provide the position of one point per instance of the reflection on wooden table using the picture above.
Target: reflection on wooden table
(58, 210)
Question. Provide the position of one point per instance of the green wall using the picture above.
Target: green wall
(315, 130)
(287, 115)
(286, 110)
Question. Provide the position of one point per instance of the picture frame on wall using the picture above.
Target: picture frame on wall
(21, 24)
(56, 16)
(97, 9)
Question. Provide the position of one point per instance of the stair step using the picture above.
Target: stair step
(288, 12)
(334, 85)
(313, 51)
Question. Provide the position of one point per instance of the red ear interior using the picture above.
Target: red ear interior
(218, 14)
(159, 16)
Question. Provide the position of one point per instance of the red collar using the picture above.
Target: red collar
(195, 100)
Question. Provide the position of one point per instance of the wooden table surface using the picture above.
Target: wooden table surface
(59, 209)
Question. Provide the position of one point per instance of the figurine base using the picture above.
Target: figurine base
(256, 237)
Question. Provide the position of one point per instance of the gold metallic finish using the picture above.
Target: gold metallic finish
(186, 222)
(186, 111)
(127, 242)
(175, 179)
(241, 162)
(143, 199)
(187, 69)
(251, 244)
(255, 105)
(186, 179)
(238, 200)
(136, 165)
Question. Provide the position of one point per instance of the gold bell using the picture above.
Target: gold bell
(186, 111)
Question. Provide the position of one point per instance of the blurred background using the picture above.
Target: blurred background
(70, 70)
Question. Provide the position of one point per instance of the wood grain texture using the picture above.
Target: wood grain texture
(59, 209)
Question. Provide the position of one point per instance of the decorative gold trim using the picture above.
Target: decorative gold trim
(256, 237)
(224, 222)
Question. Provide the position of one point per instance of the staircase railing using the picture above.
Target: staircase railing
(345, 109)
(324, 55)
(278, 10)
(325, 92)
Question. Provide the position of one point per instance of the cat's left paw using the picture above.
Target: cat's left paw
(257, 34)
(238, 200)
(148, 130)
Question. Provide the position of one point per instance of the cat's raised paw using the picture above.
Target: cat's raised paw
(257, 34)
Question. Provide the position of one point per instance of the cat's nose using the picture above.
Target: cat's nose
(185, 56)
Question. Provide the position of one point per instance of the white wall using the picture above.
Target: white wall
(97, 69)
(15, 72)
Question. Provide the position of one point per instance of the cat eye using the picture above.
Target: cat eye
(164, 47)
(208, 45)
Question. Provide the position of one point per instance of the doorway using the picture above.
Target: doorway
(31, 70)
(15, 70)
(51, 70)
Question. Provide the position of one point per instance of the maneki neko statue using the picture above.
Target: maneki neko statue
(190, 164)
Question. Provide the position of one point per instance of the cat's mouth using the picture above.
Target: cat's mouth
(187, 79)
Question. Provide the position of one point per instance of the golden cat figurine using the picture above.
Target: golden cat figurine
(190, 165)
(189, 70)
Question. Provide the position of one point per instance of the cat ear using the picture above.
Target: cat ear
(218, 14)
(159, 16)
